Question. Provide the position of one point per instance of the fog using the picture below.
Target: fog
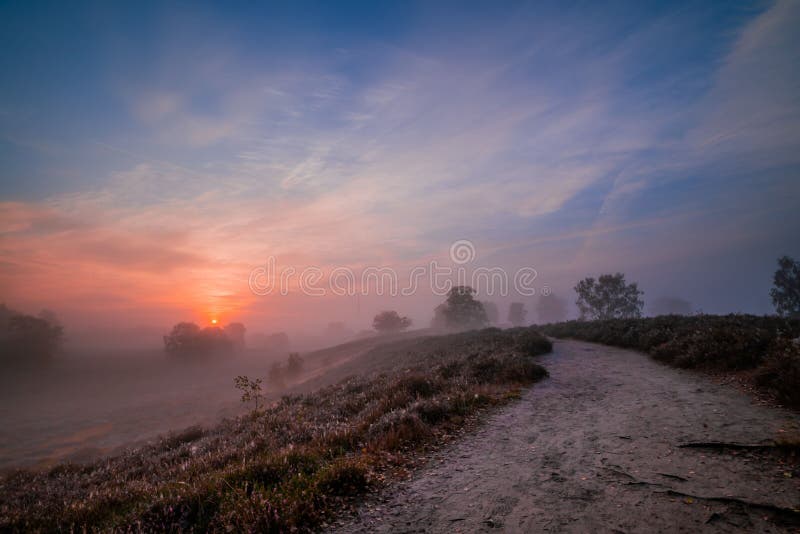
(174, 166)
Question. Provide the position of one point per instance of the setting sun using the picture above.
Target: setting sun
(259, 259)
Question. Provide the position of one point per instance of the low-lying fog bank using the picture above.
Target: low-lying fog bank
(86, 403)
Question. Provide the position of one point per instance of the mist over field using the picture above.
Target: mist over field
(267, 257)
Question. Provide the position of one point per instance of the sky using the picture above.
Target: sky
(152, 155)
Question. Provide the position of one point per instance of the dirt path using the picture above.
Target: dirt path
(594, 448)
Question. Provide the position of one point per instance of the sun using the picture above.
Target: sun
(213, 321)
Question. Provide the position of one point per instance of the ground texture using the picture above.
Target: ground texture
(611, 442)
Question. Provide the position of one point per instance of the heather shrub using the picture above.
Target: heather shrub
(707, 342)
(343, 477)
(780, 374)
(531, 343)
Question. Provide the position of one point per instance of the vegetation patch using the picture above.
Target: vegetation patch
(766, 345)
(292, 465)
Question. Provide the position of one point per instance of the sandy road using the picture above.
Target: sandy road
(595, 448)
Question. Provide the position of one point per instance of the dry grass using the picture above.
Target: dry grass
(293, 465)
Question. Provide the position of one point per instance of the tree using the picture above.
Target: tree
(235, 333)
(50, 316)
(390, 321)
(785, 292)
(551, 309)
(462, 311)
(517, 313)
(187, 339)
(25, 338)
(670, 306)
(251, 389)
(608, 297)
(294, 366)
(492, 313)
(182, 338)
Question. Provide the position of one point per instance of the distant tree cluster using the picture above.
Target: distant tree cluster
(387, 322)
(25, 338)
(188, 339)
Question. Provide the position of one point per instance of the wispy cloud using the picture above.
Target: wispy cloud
(560, 153)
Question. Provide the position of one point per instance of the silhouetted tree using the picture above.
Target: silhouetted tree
(608, 297)
(276, 376)
(235, 333)
(785, 291)
(182, 339)
(25, 338)
(517, 313)
(251, 389)
(550, 309)
(187, 339)
(492, 313)
(670, 306)
(295, 365)
(50, 316)
(390, 321)
(462, 311)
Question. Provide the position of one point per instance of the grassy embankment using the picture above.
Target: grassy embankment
(295, 464)
(759, 349)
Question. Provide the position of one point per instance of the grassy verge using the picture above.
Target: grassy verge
(293, 465)
(761, 345)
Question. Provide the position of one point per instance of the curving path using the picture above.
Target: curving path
(595, 448)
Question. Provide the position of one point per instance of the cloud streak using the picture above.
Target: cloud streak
(557, 153)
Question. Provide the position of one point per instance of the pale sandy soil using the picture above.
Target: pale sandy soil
(596, 448)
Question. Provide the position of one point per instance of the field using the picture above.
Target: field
(296, 463)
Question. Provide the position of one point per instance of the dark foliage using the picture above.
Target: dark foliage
(608, 297)
(390, 321)
(25, 339)
(461, 311)
(295, 364)
(785, 292)
(706, 342)
(531, 342)
(188, 339)
(780, 373)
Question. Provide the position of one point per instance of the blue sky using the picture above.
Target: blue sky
(659, 139)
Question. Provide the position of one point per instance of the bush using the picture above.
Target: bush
(706, 342)
(703, 341)
(780, 374)
(531, 343)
